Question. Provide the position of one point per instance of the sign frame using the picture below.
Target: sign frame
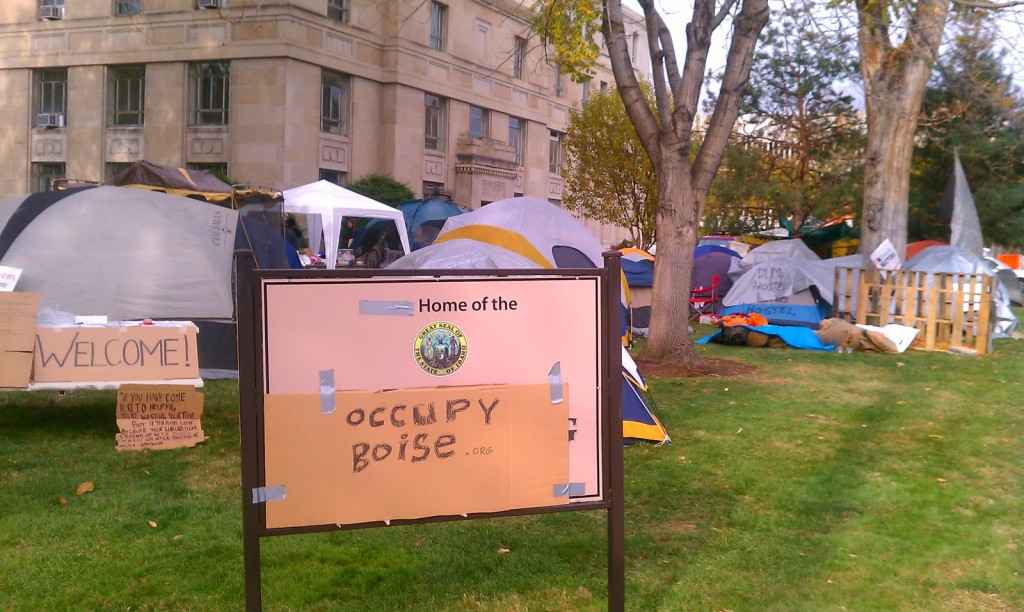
(251, 357)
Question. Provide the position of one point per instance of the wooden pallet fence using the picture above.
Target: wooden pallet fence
(952, 311)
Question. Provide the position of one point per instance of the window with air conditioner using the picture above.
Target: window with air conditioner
(334, 108)
(126, 95)
(50, 97)
(339, 10)
(127, 8)
(51, 9)
(209, 93)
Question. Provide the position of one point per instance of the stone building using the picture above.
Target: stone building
(448, 95)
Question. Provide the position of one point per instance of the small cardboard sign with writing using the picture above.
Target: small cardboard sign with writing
(159, 417)
(136, 352)
(415, 453)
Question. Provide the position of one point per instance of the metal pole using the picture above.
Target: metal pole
(247, 395)
(613, 381)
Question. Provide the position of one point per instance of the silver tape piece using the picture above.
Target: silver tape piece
(262, 495)
(395, 308)
(326, 391)
(555, 382)
(568, 489)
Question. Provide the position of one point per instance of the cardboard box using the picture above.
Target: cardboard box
(115, 353)
(17, 337)
(15, 369)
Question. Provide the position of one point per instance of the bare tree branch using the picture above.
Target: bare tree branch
(629, 88)
(668, 48)
(658, 59)
(698, 40)
(989, 6)
(723, 13)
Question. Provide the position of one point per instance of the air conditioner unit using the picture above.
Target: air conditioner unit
(51, 12)
(209, 4)
(50, 120)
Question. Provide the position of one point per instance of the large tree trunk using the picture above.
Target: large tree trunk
(677, 236)
(894, 84)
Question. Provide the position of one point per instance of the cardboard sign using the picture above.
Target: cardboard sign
(415, 333)
(885, 257)
(9, 278)
(361, 456)
(159, 417)
(17, 337)
(140, 352)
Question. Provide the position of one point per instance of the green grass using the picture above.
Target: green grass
(820, 482)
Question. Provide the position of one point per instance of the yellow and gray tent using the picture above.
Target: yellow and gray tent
(532, 233)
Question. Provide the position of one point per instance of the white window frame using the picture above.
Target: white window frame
(485, 122)
(435, 128)
(335, 97)
(129, 87)
(556, 152)
(438, 25)
(202, 84)
(51, 91)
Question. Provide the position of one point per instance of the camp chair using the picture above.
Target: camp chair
(704, 300)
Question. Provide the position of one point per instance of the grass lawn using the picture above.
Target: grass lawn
(820, 482)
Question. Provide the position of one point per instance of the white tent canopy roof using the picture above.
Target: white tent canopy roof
(327, 204)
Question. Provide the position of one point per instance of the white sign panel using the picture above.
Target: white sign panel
(885, 257)
(9, 277)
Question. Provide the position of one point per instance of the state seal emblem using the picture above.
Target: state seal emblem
(441, 348)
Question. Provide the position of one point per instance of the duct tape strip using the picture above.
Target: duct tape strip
(262, 495)
(395, 308)
(555, 382)
(568, 489)
(326, 391)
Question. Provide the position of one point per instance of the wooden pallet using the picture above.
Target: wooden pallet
(952, 311)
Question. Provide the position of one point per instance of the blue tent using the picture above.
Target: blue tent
(638, 273)
(705, 249)
(423, 220)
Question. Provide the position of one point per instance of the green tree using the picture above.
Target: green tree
(684, 171)
(382, 188)
(971, 106)
(607, 176)
(800, 135)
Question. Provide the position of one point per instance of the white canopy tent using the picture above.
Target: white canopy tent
(326, 205)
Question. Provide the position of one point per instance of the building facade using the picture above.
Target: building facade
(447, 95)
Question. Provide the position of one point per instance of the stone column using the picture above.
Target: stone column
(85, 121)
(165, 113)
(15, 91)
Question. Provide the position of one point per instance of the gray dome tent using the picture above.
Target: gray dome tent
(124, 253)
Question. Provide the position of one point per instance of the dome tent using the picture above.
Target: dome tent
(532, 233)
(638, 267)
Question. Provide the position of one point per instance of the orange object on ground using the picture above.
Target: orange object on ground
(751, 319)
(1012, 260)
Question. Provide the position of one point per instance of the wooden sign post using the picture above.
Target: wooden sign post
(436, 395)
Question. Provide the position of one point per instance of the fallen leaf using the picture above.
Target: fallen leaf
(85, 487)
(178, 537)
(829, 581)
(727, 388)
(941, 480)
(936, 436)
(900, 364)
(151, 524)
(63, 501)
(740, 430)
(503, 551)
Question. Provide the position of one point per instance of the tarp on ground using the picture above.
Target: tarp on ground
(123, 253)
(795, 337)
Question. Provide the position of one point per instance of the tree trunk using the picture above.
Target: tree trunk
(678, 213)
(894, 84)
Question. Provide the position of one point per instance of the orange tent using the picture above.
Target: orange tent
(916, 247)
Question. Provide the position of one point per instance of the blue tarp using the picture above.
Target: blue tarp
(796, 337)
(802, 315)
(638, 273)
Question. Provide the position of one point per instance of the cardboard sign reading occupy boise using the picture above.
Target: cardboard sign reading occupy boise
(399, 398)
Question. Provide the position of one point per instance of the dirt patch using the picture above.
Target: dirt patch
(706, 366)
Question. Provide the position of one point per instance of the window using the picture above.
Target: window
(555, 158)
(431, 188)
(555, 202)
(517, 137)
(334, 108)
(219, 170)
(339, 10)
(636, 45)
(518, 194)
(51, 89)
(51, 9)
(438, 25)
(124, 8)
(604, 87)
(333, 176)
(209, 84)
(558, 81)
(518, 57)
(585, 87)
(43, 175)
(479, 122)
(435, 128)
(126, 90)
(113, 169)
